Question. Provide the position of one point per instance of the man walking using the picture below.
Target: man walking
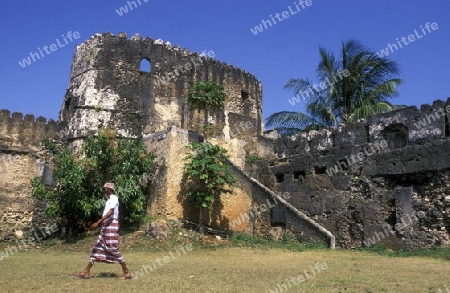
(106, 249)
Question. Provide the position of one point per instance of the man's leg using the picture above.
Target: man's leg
(126, 271)
(85, 274)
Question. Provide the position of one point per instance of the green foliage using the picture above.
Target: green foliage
(439, 253)
(245, 239)
(207, 130)
(77, 195)
(358, 84)
(287, 242)
(206, 95)
(207, 173)
(252, 158)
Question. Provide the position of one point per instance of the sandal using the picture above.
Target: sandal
(81, 275)
(126, 276)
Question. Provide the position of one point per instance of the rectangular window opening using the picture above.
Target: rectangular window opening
(319, 170)
(277, 217)
(279, 178)
(299, 175)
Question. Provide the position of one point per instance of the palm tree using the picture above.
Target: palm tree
(357, 85)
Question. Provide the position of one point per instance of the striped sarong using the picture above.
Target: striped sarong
(106, 249)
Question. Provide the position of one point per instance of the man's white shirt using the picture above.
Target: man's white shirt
(112, 203)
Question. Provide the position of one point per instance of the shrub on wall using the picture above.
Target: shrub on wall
(206, 95)
(208, 175)
(76, 196)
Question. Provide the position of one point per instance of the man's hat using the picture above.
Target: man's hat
(110, 186)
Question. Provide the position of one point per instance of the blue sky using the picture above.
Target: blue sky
(288, 49)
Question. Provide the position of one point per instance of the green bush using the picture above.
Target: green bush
(76, 197)
(208, 176)
(251, 158)
(206, 95)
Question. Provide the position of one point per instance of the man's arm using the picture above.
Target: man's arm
(108, 214)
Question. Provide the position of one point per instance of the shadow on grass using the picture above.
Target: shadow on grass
(106, 275)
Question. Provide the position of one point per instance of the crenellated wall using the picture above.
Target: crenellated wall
(352, 179)
(420, 126)
(20, 161)
(107, 88)
(361, 181)
(25, 133)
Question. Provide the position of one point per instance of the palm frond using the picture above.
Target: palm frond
(371, 83)
(288, 119)
(301, 88)
(368, 110)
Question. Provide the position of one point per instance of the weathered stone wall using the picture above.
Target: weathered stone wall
(108, 89)
(20, 161)
(401, 128)
(352, 179)
(168, 199)
(383, 180)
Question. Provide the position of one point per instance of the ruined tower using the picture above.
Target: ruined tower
(108, 89)
(378, 181)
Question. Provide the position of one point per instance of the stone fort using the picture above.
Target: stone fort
(380, 181)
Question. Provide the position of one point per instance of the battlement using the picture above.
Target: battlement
(379, 169)
(108, 88)
(400, 128)
(87, 54)
(343, 177)
(18, 131)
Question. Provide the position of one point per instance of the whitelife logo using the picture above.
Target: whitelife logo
(348, 162)
(162, 261)
(53, 47)
(411, 38)
(439, 113)
(281, 16)
(181, 69)
(315, 89)
(22, 244)
(282, 287)
(130, 4)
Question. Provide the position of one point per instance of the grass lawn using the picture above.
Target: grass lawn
(225, 269)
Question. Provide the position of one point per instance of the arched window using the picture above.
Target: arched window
(244, 95)
(145, 65)
(396, 136)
